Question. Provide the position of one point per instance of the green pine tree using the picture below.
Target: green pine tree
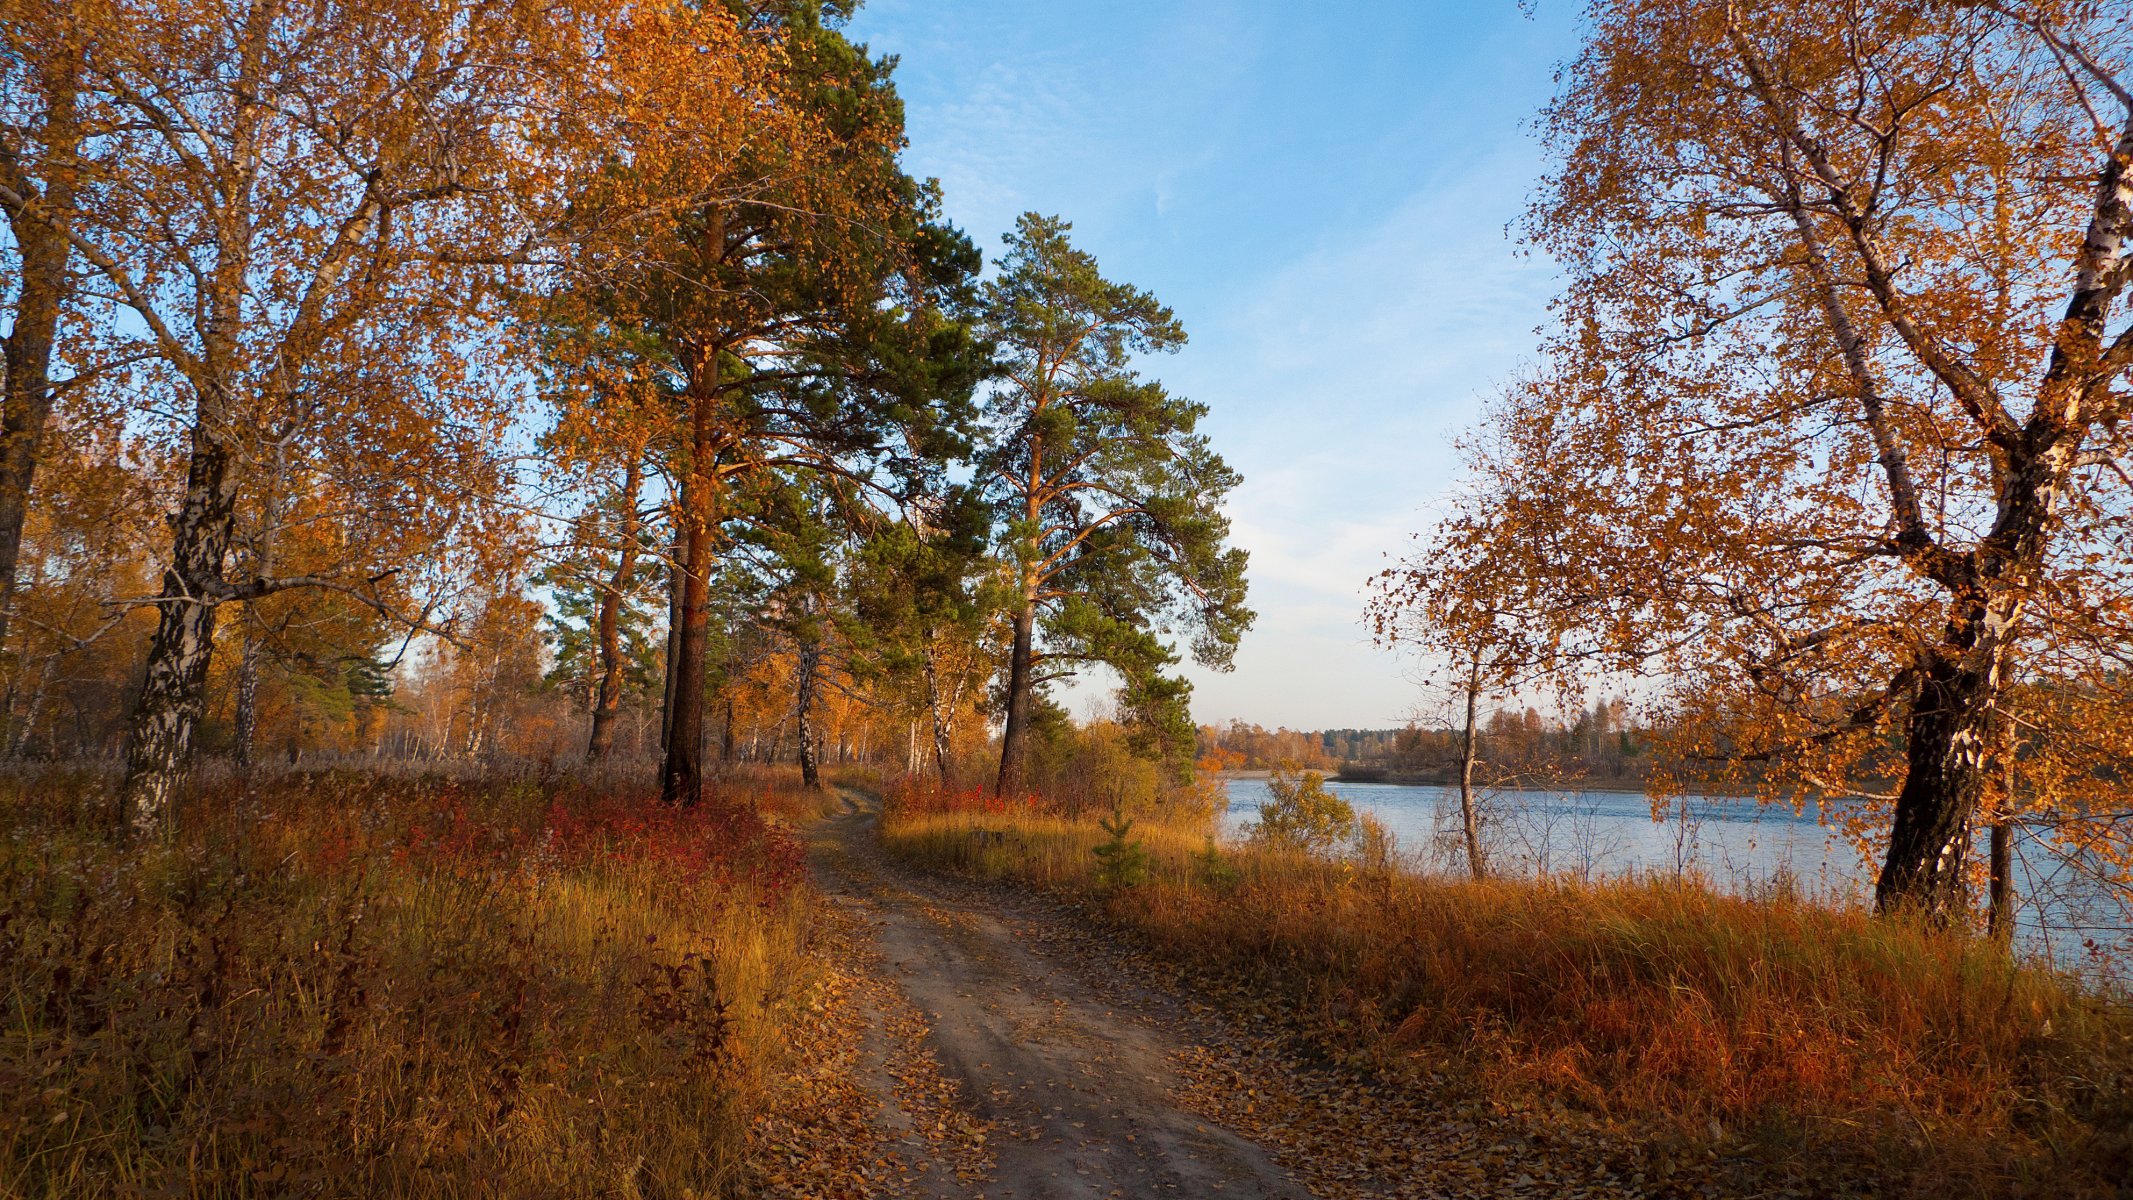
(1108, 500)
(1122, 861)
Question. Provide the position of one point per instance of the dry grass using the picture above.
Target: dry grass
(342, 985)
(1798, 1030)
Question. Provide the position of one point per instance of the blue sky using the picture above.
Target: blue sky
(1322, 193)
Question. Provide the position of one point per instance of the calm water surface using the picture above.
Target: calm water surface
(1739, 845)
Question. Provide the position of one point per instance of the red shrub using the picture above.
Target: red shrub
(722, 840)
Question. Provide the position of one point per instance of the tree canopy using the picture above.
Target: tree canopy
(1830, 433)
(1109, 498)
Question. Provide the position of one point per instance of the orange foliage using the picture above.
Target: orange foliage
(1831, 434)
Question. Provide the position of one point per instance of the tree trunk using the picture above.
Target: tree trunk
(681, 779)
(1943, 783)
(248, 700)
(676, 555)
(35, 710)
(2000, 888)
(1467, 818)
(937, 711)
(2000, 918)
(810, 667)
(1016, 730)
(728, 750)
(160, 734)
(159, 738)
(609, 698)
(262, 554)
(42, 251)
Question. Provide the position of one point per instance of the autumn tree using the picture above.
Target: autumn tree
(298, 210)
(73, 645)
(491, 667)
(616, 593)
(924, 598)
(1833, 434)
(801, 530)
(1107, 497)
(43, 124)
(611, 422)
(603, 586)
(1302, 814)
(311, 508)
(795, 319)
(1467, 601)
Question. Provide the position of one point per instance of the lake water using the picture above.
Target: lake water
(1739, 845)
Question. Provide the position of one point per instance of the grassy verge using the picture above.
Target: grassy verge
(1789, 1029)
(344, 985)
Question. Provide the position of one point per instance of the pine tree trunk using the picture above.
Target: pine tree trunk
(1016, 731)
(810, 668)
(42, 251)
(1945, 753)
(609, 697)
(681, 778)
(1467, 817)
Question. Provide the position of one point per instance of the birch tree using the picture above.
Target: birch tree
(306, 206)
(1462, 601)
(1833, 434)
(42, 127)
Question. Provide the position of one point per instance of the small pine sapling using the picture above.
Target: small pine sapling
(1213, 870)
(1122, 862)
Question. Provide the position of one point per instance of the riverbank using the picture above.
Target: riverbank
(1810, 1039)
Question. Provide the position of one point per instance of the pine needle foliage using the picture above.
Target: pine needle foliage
(1123, 860)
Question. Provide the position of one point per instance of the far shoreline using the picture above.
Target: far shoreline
(1625, 786)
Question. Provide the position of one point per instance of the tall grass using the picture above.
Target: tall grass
(1795, 1028)
(344, 985)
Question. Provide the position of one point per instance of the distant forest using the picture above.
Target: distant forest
(1599, 743)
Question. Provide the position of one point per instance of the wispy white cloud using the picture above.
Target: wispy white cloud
(1338, 382)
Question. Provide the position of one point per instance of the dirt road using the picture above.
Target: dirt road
(1076, 1087)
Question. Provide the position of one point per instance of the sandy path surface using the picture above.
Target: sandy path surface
(1075, 1087)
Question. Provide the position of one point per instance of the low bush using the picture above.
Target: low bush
(1301, 813)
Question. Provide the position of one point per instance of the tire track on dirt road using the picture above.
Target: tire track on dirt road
(1079, 1093)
